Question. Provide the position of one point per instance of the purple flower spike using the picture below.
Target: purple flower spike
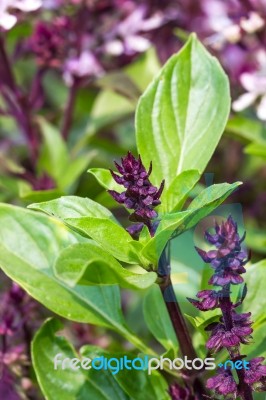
(140, 195)
(228, 259)
(223, 383)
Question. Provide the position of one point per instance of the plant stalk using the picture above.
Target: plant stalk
(226, 307)
(176, 316)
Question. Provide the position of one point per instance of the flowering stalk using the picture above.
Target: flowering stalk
(228, 260)
(141, 196)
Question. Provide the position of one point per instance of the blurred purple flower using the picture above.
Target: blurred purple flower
(140, 195)
(86, 65)
(255, 84)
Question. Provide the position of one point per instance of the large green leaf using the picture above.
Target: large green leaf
(68, 384)
(94, 221)
(88, 263)
(174, 224)
(158, 320)
(136, 383)
(29, 246)
(181, 116)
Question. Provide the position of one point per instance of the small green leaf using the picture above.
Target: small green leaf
(92, 220)
(87, 263)
(105, 179)
(251, 130)
(54, 154)
(181, 116)
(158, 321)
(256, 149)
(68, 384)
(255, 300)
(174, 197)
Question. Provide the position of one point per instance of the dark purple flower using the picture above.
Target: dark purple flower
(228, 259)
(256, 374)
(50, 42)
(209, 300)
(223, 383)
(140, 195)
(7, 385)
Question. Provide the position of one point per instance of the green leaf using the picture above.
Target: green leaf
(256, 149)
(255, 300)
(87, 263)
(174, 224)
(136, 383)
(75, 168)
(94, 221)
(181, 116)
(30, 244)
(54, 154)
(174, 197)
(105, 179)
(67, 383)
(159, 322)
(248, 129)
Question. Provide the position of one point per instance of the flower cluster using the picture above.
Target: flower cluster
(228, 260)
(15, 334)
(140, 195)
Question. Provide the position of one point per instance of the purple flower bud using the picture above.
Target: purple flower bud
(209, 300)
(140, 195)
(256, 374)
(223, 383)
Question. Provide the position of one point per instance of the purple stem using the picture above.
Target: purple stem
(226, 307)
(176, 316)
(69, 111)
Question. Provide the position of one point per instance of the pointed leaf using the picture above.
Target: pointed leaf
(181, 116)
(89, 264)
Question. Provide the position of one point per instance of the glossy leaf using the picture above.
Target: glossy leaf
(181, 116)
(30, 244)
(89, 264)
(92, 220)
(68, 384)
